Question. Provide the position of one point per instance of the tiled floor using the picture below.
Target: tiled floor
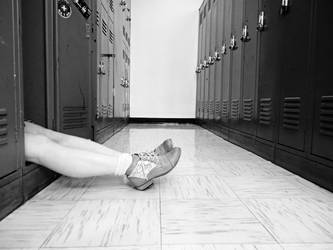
(218, 197)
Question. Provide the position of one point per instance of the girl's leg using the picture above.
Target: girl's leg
(73, 162)
(69, 140)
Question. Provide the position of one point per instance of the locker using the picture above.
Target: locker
(236, 62)
(199, 69)
(203, 61)
(211, 60)
(110, 58)
(9, 75)
(269, 27)
(225, 106)
(73, 73)
(249, 74)
(294, 77)
(207, 51)
(218, 58)
(322, 141)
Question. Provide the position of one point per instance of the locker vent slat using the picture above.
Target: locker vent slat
(225, 108)
(97, 18)
(75, 117)
(211, 107)
(291, 113)
(235, 109)
(104, 27)
(265, 111)
(111, 5)
(326, 115)
(110, 111)
(217, 109)
(111, 36)
(3, 127)
(247, 109)
(206, 107)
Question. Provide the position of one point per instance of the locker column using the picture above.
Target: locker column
(249, 39)
(218, 59)
(226, 58)
(207, 54)
(199, 68)
(212, 60)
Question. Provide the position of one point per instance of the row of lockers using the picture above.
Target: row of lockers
(62, 67)
(264, 73)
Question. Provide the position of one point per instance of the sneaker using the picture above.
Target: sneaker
(148, 166)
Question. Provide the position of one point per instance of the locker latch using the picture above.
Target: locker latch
(201, 66)
(284, 7)
(210, 60)
(245, 34)
(198, 69)
(224, 49)
(233, 44)
(205, 64)
(100, 69)
(217, 56)
(261, 21)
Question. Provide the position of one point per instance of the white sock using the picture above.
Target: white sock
(124, 161)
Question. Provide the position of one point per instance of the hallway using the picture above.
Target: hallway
(219, 196)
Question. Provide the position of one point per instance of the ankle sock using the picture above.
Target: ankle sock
(124, 161)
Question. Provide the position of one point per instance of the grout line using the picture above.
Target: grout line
(160, 202)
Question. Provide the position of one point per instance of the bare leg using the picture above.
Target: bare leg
(71, 161)
(69, 140)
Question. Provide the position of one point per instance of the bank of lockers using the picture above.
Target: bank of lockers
(263, 80)
(65, 65)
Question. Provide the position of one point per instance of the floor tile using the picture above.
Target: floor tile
(22, 238)
(307, 246)
(194, 187)
(113, 188)
(37, 216)
(64, 188)
(248, 168)
(295, 220)
(106, 223)
(106, 248)
(258, 187)
(222, 247)
(210, 221)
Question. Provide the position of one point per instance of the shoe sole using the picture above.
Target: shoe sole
(150, 181)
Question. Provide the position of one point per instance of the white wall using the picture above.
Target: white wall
(163, 58)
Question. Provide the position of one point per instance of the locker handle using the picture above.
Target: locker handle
(217, 56)
(224, 49)
(210, 60)
(284, 7)
(108, 55)
(198, 70)
(205, 64)
(245, 34)
(233, 44)
(261, 21)
(201, 66)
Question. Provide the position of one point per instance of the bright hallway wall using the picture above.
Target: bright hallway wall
(163, 58)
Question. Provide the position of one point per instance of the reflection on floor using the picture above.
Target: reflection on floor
(219, 196)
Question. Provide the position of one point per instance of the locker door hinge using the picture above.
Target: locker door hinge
(16, 134)
(88, 30)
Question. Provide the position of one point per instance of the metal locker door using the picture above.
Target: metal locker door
(104, 62)
(225, 107)
(198, 69)
(9, 75)
(236, 62)
(269, 27)
(204, 62)
(207, 51)
(110, 57)
(73, 72)
(212, 68)
(322, 137)
(249, 76)
(294, 83)
(218, 58)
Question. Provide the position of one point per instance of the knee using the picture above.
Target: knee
(36, 146)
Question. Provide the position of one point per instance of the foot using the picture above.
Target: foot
(146, 167)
